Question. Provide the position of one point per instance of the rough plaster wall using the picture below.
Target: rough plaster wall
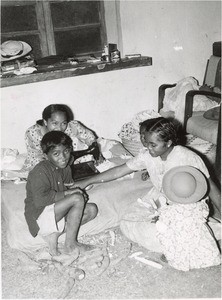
(177, 34)
(102, 102)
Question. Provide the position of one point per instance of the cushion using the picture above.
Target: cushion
(207, 88)
(203, 128)
(11, 159)
(212, 114)
(15, 164)
(129, 132)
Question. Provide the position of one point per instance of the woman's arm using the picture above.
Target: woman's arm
(215, 197)
(106, 176)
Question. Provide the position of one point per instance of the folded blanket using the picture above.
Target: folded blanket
(174, 99)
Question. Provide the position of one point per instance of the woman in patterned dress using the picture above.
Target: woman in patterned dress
(55, 117)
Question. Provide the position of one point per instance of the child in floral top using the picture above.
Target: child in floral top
(55, 117)
(182, 229)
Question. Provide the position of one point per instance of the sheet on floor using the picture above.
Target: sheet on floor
(112, 199)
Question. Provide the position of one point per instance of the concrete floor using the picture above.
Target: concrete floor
(128, 279)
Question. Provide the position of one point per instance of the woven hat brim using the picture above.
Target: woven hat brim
(26, 49)
(201, 185)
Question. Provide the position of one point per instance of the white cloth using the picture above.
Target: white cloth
(174, 99)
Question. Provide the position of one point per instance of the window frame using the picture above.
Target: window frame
(46, 31)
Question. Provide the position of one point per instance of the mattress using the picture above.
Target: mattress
(112, 199)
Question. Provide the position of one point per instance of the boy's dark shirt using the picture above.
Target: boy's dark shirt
(45, 186)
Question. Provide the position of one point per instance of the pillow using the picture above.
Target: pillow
(208, 88)
(11, 159)
(212, 114)
(203, 103)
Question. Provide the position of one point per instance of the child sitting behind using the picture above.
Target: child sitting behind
(51, 208)
(186, 240)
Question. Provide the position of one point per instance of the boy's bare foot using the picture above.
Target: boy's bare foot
(67, 259)
(85, 247)
(52, 241)
(82, 248)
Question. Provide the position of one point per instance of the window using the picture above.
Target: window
(55, 27)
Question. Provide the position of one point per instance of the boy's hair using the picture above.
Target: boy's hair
(54, 138)
(165, 129)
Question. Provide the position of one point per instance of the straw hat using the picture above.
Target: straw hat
(184, 184)
(14, 49)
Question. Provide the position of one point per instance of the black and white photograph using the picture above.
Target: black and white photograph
(111, 141)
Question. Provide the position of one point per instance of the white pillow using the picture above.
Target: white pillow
(11, 159)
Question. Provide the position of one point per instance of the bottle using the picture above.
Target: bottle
(106, 51)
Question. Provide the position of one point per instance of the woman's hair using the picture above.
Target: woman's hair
(54, 138)
(165, 128)
(53, 108)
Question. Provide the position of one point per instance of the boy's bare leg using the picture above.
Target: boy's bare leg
(77, 212)
(73, 224)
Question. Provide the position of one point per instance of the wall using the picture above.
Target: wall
(101, 101)
(177, 34)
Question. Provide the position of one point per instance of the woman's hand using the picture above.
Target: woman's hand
(100, 160)
(82, 184)
(145, 176)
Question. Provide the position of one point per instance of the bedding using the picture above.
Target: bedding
(12, 161)
(174, 100)
(129, 132)
(112, 199)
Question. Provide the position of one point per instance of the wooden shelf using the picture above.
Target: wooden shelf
(56, 72)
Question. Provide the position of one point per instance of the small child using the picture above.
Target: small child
(182, 230)
(52, 205)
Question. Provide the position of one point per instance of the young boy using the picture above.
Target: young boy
(50, 206)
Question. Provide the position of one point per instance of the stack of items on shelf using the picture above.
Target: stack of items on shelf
(15, 58)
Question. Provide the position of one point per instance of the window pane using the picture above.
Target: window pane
(78, 42)
(74, 13)
(18, 18)
(32, 40)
